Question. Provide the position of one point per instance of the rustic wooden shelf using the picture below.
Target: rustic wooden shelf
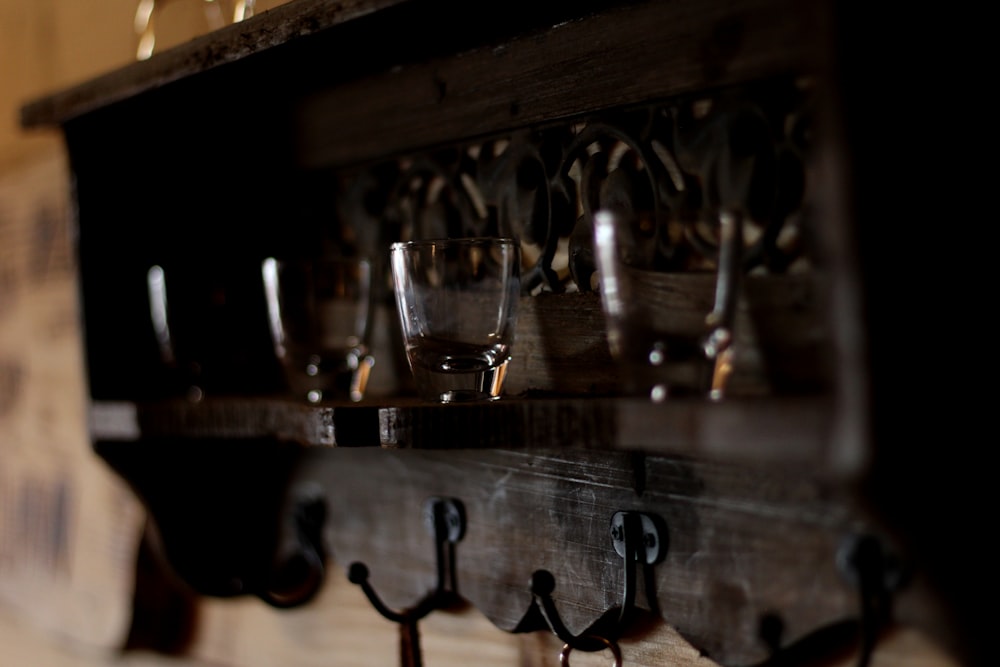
(229, 44)
(793, 431)
(519, 64)
(323, 97)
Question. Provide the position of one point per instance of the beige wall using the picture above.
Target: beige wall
(62, 561)
(46, 45)
(68, 527)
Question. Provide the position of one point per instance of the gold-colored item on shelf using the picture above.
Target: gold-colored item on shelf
(215, 13)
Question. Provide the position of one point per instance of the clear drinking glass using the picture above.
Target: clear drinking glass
(203, 316)
(320, 313)
(671, 333)
(457, 301)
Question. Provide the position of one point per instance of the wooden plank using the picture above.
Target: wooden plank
(228, 417)
(557, 334)
(588, 57)
(630, 54)
(742, 544)
(511, 423)
(229, 44)
(792, 432)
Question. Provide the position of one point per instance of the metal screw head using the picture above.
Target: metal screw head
(862, 554)
(450, 512)
(652, 539)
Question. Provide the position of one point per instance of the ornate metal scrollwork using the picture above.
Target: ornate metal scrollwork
(668, 168)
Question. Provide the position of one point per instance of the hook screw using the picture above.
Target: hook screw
(637, 538)
(863, 558)
(653, 550)
(447, 514)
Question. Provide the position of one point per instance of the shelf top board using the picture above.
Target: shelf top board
(484, 63)
(229, 44)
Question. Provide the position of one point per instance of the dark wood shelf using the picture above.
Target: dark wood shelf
(512, 65)
(784, 432)
(330, 105)
(229, 44)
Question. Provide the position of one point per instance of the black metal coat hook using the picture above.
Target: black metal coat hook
(636, 537)
(300, 575)
(445, 519)
(866, 564)
(864, 561)
(875, 573)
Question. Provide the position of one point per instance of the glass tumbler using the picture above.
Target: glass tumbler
(320, 313)
(671, 333)
(457, 301)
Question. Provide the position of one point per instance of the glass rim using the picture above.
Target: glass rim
(455, 241)
(333, 259)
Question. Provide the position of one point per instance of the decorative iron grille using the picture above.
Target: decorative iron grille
(668, 168)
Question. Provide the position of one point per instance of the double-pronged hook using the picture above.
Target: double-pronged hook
(864, 561)
(875, 574)
(445, 518)
(636, 537)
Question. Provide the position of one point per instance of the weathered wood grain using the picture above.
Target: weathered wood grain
(225, 45)
(741, 545)
(560, 347)
(507, 69)
(626, 54)
(789, 432)
(745, 542)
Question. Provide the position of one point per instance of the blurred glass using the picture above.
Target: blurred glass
(671, 333)
(204, 318)
(320, 312)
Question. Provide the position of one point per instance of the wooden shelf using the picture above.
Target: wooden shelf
(758, 490)
(513, 64)
(751, 539)
(790, 432)
(232, 43)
